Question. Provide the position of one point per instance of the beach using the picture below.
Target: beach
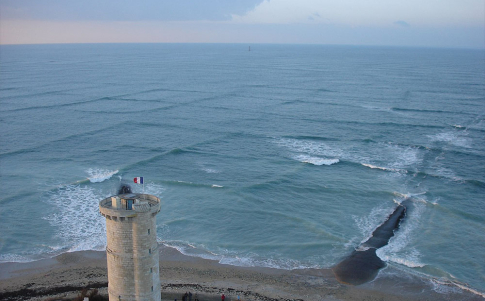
(67, 274)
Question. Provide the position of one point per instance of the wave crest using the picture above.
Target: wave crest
(383, 168)
(316, 160)
(97, 175)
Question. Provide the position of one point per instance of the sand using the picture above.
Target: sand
(67, 274)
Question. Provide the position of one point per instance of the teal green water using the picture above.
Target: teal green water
(284, 156)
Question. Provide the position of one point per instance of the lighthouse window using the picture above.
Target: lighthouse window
(151, 270)
(148, 231)
(149, 251)
(152, 288)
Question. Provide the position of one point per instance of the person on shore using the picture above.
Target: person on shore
(190, 296)
(223, 297)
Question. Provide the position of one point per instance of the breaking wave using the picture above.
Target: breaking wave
(383, 168)
(313, 152)
(398, 250)
(77, 219)
(233, 258)
(97, 175)
(454, 138)
(445, 287)
(316, 160)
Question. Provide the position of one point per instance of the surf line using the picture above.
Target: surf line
(363, 264)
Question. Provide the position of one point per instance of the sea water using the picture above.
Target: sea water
(284, 156)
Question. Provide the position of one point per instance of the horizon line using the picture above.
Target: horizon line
(249, 44)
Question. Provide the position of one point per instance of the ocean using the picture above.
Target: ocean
(284, 156)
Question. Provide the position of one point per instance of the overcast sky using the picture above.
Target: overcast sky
(428, 23)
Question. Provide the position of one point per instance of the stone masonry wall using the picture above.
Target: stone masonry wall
(132, 255)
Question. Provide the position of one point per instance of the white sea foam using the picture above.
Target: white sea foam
(403, 157)
(454, 138)
(150, 188)
(383, 156)
(398, 249)
(276, 263)
(442, 170)
(446, 287)
(448, 173)
(191, 250)
(312, 152)
(382, 168)
(77, 219)
(309, 147)
(34, 253)
(184, 182)
(224, 256)
(401, 195)
(436, 201)
(208, 167)
(97, 175)
(255, 260)
(415, 196)
(388, 157)
(14, 258)
(404, 196)
(217, 186)
(392, 158)
(316, 160)
(411, 258)
(367, 224)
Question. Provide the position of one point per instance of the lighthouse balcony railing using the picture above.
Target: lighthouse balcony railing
(129, 204)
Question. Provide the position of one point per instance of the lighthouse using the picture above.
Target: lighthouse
(132, 248)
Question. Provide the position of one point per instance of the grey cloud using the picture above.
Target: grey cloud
(130, 10)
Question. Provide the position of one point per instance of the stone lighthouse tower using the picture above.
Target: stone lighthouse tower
(132, 249)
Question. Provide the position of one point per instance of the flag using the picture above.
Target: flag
(138, 180)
